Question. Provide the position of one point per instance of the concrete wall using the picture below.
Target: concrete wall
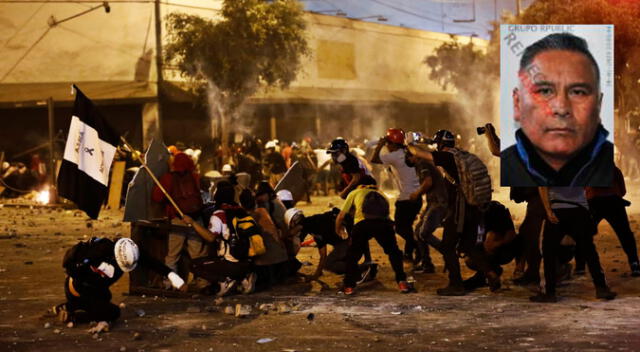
(364, 55)
(102, 46)
(96, 46)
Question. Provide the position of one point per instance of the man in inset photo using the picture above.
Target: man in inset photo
(560, 140)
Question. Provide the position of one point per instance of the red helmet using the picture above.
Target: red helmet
(395, 135)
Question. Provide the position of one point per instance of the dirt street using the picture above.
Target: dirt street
(312, 316)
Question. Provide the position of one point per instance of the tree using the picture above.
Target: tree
(255, 44)
(623, 14)
(474, 73)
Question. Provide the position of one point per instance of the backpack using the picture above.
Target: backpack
(78, 255)
(475, 182)
(185, 192)
(71, 256)
(375, 205)
(245, 235)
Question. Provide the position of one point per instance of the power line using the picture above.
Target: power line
(111, 1)
(112, 46)
(399, 9)
(190, 6)
(71, 1)
(23, 25)
(146, 37)
(25, 54)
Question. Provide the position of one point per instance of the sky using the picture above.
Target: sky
(464, 17)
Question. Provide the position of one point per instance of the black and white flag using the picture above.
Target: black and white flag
(90, 148)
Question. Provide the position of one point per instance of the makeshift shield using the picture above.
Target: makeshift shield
(138, 205)
(294, 182)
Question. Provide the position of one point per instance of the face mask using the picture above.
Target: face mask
(340, 158)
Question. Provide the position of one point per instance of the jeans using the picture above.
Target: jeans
(430, 220)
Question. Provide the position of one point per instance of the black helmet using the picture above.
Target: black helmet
(337, 145)
(444, 138)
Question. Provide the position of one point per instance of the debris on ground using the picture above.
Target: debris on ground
(242, 310)
(265, 340)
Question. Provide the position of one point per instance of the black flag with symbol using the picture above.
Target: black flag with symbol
(90, 148)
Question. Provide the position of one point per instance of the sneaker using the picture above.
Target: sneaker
(605, 293)
(429, 268)
(426, 268)
(347, 291)
(61, 312)
(493, 280)
(369, 274)
(418, 269)
(248, 285)
(451, 291)
(476, 281)
(579, 271)
(405, 287)
(635, 269)
(544, 298)
(226, 286)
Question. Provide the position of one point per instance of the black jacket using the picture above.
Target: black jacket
(82, 260)
(517, 168)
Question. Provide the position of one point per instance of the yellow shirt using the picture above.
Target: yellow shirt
(355, 200)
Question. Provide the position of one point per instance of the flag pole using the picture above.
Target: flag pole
(144, 165)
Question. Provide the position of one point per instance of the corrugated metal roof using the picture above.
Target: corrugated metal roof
(107, 92)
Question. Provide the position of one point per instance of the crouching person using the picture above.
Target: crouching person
(92, 267)
(274, 266)
(229, 268)
(322, 228)
(500, 243)
(371, 219)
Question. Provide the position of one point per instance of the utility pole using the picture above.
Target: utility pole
(160, 77)
(53, 190)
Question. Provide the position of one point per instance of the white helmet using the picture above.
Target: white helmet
(290, 214)
(270, 144)
(127, 254)
(284, 195)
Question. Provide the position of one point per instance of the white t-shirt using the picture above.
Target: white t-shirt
(322, 156)
(218, 225)
(407, 176)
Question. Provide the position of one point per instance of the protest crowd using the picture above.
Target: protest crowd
(247, 231)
